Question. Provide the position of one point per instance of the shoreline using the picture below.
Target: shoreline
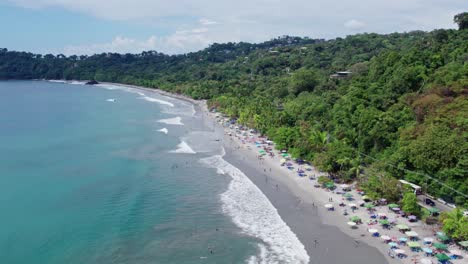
(325, 235)
(322, 236)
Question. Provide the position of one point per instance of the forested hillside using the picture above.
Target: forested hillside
(402, 113)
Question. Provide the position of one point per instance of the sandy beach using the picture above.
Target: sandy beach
(325, 234)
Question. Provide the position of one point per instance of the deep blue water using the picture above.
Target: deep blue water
(85, 180)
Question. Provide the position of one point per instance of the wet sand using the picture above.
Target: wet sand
(325, 244)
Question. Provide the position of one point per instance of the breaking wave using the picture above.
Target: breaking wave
(154, 100)
(251, 210)
(183, 147)
(172, 121)
(164, 130)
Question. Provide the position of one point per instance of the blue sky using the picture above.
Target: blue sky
(178, 26)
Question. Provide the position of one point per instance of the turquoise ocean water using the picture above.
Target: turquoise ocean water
(84, 179)
(109, 174)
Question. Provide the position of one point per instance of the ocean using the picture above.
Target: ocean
(110, 174)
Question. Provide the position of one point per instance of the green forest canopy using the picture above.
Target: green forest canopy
(402, 112)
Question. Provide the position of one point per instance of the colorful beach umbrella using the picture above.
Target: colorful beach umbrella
(385, 237)
(427, 250)
(403, 239)
(440, 246)
(433, 210)
(373, 231)
(413, 244)
(428, 239)
(329, 185)
(463, 243)
(348, 195)
(442, 257)
(351, 224)
(393, 244)
(443, 238)
(328, 206)
(411, 234)
(355, 219)
(399, 251)
(393, 205)
(384, 222)
(425, 261)
(352, 205)
(369, 206)
(402, 227)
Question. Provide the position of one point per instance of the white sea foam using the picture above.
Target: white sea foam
(154, 100)
(251, 210)
(77, 83)
(172, 121)
(164, 130)
(110, 100)
(183, 147)
(57, 81)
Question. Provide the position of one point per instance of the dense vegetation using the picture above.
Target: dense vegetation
(403, 112)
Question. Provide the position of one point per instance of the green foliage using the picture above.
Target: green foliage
(462, 20)
(455, 224)
(303, 80)
(410, 204)
(381, 185)
(405, 104)
(322, 180)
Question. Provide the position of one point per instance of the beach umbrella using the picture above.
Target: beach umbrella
(428, 240)
(385, 237)
(427, 250)
(284, 155)
(402, 227)
(373, 231)
(463, 243)
(369, 206)
(282, 160)
(412, 217)
(393, 244)
(351, 224)
(396, 209)
(352, 205)
(344, 186)
(384, 222)
(283, 151)
(442, 257)
(440, 246)
(328, 206)
(365, 197)
(411, 234)
(348, 195)
(399, 251)
(355, 219)
(382, 214)
(414, 244)
(403, 239)
(443, 238)
(329, 185)
(393, 205)
(425, 261)
(433, 210)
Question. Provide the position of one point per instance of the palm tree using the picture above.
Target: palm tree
(318, 139)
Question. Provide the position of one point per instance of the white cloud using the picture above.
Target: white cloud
(205, 21)
(354, 24)
(195, 22)
(179, 42)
